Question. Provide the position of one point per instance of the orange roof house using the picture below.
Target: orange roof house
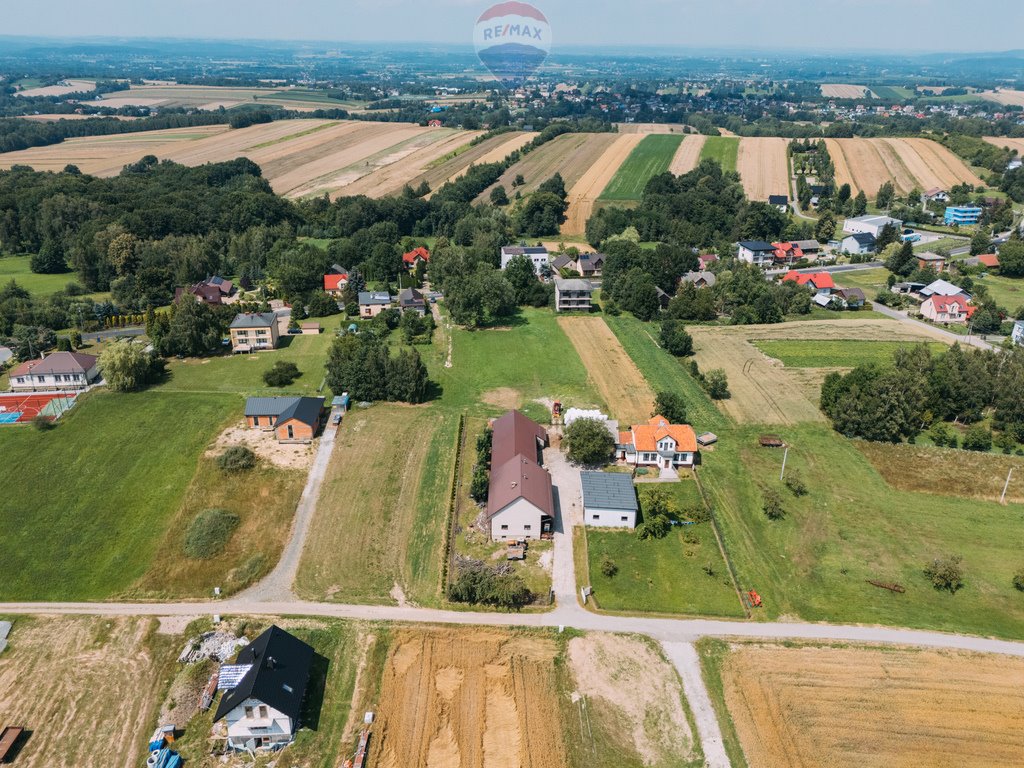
(334, 284)
(658, 444)
(787, 252)
(415, 256)
(989, 260)
(820, 281)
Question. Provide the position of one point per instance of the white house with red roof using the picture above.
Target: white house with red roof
(787, 253)
(947, 309)
(335, 283)
(415, 256)
(819, 282)
(658, 444)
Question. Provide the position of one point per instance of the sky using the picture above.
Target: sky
(852, 25)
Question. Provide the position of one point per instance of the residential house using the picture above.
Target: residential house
(335, 282)
(779, 201)
(372, 303)
(819, 282)
(1014, 164)
(520, 503)
(56, 371)
(811, 249)
(251, 331)
(933, 260)
(212, 290)
(756, 252)
(871, 225)
(537, 254)
(609, 500)
(291, 419)
(263, 710)
(858, 244)
(414, 257)
(787, 253)
(850, 297)
(962, 215)
(574, 295)
(658, 444)
(1018, 332)
(705, 260)
(664, 298)
(943, 288)
(990, 260)
(590, 264)
(411, 300)
(702, 279)
(561, 261)
(936, 195)
(947, 309)
(907, 289)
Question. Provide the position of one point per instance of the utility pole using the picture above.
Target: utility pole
(1002, 498)
(785, 456)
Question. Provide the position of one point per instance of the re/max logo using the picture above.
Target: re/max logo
(510, 30)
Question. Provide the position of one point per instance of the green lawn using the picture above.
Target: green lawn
(86, 505)
(724, 149)
(893, 92)
(663, 575)
(652, 156)
(832, 353)
(17, 268)
(945, 242)
(852, 527)
(1008, 292)
(871, 281)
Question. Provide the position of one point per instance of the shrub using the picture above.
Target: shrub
(675, 339)
(1018, 580)
(978, 438)
(42, 423)
(946, 573)
(477, 582)
(717, 385)
(480, 484)
(281, 374)
(208, 533)
(796, 484)
(653, 527)
(608, 567)
(772, 505)
(237, 458)
(672, 406)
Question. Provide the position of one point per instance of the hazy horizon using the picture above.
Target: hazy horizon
(783, 26)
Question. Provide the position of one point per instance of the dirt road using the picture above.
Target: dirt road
(590, 186)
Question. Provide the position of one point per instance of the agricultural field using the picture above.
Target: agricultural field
(763, 166)
(668, 575)
(208, 97)
(723, 149)
(455, 164)
(651, 157)
(1002, 141)
(63, 88)
(893, 92)
(765, 392)
(1003, 96)
(925, 469)
(59, 673)
(649, 128)
(688, 154)
(571, 154)
(873, 707)
(866, 164)
(614, 376)
(844, 91)
(379, 524)
(86, 509)
(871, 281)
(488, 697)
(298, 157)
(585, 192)
(852, 527)
(849, 353)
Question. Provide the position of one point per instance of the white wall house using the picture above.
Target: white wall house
(755, 252)
(57, 371)
(658, 444)
(520, 504)
(609, 500)
(871, 225)
(537, 254)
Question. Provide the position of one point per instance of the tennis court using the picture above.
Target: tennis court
(16, 407)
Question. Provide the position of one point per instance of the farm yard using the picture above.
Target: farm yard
(592, 183)
(688, 154)
(873, 707)
(614, 376)
(722, 149)
(649, 158)
(843, 91)
(866, 164)
(60, 673)
(763, 166)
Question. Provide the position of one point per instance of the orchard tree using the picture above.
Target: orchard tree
(589, 442)
(672, 406)
(675, 339)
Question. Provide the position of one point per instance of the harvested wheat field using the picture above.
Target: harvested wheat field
(648, 128)
(584, 193)
(688, 154)
(493, 150)
(466, 699)
(866, 164)
(1002, 141)
(843, 91)
(63, 88)
(571, 154)
(614, 374)
(763, 165)
(1007, 97)
(866, 708)
(763, 390)
(87, 688)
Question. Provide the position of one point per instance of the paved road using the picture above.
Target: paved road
(972, 341)
(833, 269)
(277, 586)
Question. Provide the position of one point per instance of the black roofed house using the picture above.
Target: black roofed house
(411, 300)
(263, 710)
(609, 500)
(292, 419)
(755, 252)
(779, 201)
(251, 331)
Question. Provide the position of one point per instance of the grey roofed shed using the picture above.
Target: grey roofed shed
(608, 490)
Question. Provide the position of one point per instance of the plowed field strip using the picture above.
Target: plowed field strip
(590, 186)
(688, 154)
(763, 166)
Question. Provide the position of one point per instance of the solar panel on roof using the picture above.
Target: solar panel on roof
(231, 675)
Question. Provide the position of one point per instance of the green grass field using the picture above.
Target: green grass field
(653, 155)
(893, 92)
(663, 575)
(712, 655)
(724, 149)
(17, 268)
(852, 527)
(832, 353)
(86, 504)
(871, 281)
(1008, 292)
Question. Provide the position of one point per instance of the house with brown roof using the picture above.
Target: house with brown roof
(520, 503)
(57, 371)
(658, 444)
(212, 290)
